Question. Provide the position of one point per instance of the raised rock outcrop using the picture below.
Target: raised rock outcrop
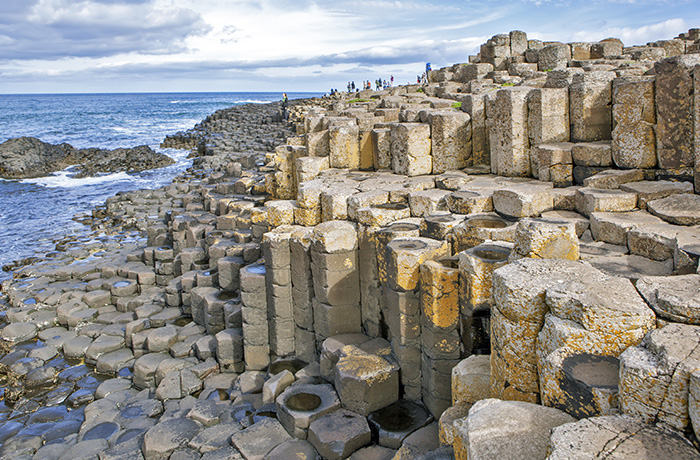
(27, 157)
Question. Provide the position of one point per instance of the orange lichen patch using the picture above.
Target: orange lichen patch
(440, 294)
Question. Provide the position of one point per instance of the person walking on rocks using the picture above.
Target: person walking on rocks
(428, 68)
(285, 102)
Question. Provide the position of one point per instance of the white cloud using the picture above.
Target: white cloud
(635, 35)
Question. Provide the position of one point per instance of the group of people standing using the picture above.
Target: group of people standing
(367, 85)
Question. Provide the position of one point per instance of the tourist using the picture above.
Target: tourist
(428, 68)
(285, 102)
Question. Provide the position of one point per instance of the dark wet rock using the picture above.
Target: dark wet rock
(85, 450)
(25, 157)
(297, 449)
(339, 434)
(161, 440)
(81, 397)
(259, 439)
(62, 429)
(9, 429)
(48, 414)
(59, 394)
(103, 430)
(392, 424)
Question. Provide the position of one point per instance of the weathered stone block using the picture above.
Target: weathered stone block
(590, 101)
(612, 227)
(634, 116)
(506, 430)
(589, 200)
(674, 298)
(473, 104)
(518, 316)
(674, 111)
(450, 133)
(410, 149)
(365, 382)
(523, 199)
(654, 376)
(439, 295)
(508, 136)
(381, 148)
(596, 154)
(344, 147)
(405, 256)
(600, 437)
(471, 380)
(546, 239)
(548, 115)
(553, 56)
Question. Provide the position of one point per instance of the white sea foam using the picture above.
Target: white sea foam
(253, 101)
(64, 179)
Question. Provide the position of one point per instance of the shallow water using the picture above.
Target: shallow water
(36, 212)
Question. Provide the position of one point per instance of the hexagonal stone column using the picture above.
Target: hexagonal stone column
(336, 305)
(517, 317)
(365, 382)
(674, 111)
(634, 116)
(256, 344)
(476, 266)
(338, 434)
(451, 135)
(590, 101)
(301, 404)
(507, 430)
(508, 137)
(410, 149)
(655, 375)
(591, 321)
(280, 312)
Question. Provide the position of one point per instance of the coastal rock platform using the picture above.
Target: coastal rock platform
(410, 273)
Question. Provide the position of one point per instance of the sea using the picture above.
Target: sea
(34, 213)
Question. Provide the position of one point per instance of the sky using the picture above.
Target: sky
(97, 46)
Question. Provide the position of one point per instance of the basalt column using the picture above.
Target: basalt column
(476, 266)
(256, 343)
(381, 239)
(405, 256)
(336, 279)
(280, 312)
(439, 298)
(303, 295)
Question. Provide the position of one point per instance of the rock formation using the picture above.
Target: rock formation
(404, 277)
(27, 157)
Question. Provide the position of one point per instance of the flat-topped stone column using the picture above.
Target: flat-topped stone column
(280, 312)
(674, 111)
(451, 135)
(517, 317)
(634, 117)
(336, 279)
(410, 149)
(590, 100)
(302, 294)
(508, 135)
(256, 343)
(439, 297)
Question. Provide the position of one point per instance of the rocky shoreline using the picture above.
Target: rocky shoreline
(499, 264)
(28, 157)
